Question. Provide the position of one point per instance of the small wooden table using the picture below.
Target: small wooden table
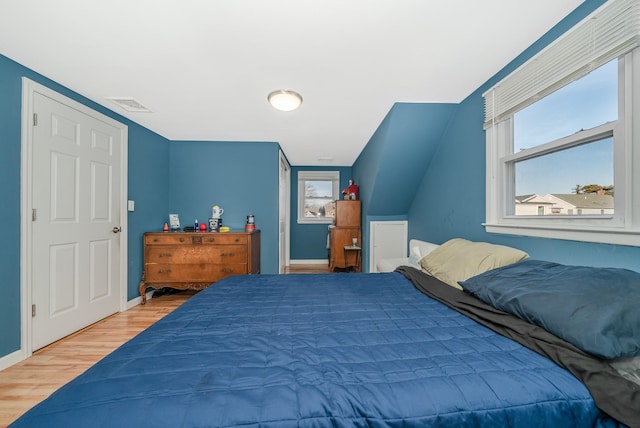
(352, 252)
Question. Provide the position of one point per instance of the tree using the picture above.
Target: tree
(593, 188)
(310, 190)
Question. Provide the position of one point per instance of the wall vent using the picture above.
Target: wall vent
(130, 104)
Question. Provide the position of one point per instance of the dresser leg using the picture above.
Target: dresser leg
(143, 292)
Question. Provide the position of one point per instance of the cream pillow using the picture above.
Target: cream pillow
(459, 259)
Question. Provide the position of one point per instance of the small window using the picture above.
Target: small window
(317, 192)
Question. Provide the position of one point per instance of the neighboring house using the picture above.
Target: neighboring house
(564, 204)
(533, 205)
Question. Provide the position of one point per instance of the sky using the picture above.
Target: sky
(583, 104)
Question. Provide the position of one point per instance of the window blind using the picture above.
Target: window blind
(610, 31)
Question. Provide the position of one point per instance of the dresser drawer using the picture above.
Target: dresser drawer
(194, 260)
(196, 254)
(192, 273)
(200, 238)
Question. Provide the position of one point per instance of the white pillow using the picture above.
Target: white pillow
(423, 247)
(419, 249)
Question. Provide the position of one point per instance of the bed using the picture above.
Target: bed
(398, 349)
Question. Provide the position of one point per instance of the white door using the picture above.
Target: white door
(388, 240)
(75, 239)
(283, 214)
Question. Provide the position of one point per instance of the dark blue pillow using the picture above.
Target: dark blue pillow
(595, 309)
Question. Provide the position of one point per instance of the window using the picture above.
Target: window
(317, 192)
(557, 152)
(561, 146)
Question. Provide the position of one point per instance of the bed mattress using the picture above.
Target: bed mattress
(336, 350)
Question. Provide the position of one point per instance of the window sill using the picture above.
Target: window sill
(598, 235)
(315, 221)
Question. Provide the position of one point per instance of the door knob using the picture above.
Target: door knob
(116, 229)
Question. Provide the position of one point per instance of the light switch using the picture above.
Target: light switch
(131, 205)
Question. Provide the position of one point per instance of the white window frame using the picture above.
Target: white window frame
(303, 176)
(508, 97)
(606, 130)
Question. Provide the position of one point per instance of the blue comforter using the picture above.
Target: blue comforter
(318, 351)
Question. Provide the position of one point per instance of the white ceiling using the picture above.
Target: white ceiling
(205, 67)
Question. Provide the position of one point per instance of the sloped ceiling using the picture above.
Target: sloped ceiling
(391, 167)
(205, 67)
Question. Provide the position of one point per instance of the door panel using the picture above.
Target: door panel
(101, 178)
(76, 195)
(388, 241)
(64, 185)
(63, 279)
(101, 282)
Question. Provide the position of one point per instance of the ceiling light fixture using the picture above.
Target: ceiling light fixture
(285, 99)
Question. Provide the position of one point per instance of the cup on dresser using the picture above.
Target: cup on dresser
(216, 212)
(355, 242)
(214, 224)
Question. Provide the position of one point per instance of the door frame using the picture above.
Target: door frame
(283, 162)
(29, 88)
(373, 227)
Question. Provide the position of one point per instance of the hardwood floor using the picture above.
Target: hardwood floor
(25, 384)
(310, 268)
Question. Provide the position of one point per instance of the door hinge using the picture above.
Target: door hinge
(33, 310)
(35, 119)
(33, 214)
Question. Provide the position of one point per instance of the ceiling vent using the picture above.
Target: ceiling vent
(129, 104)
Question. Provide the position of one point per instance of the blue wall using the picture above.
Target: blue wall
(391, 166)
(148, 184)
(242, 178)
(309, 241)
(148, 187)
(10, 104)
(450, 201)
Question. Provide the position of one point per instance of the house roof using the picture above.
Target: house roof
(587, 200)
(530, 199)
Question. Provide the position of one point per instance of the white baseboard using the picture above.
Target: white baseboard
(11, 359)
(136, 301)
(309, 262)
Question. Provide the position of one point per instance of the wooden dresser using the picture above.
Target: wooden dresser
(347, 227)
(194, 260)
